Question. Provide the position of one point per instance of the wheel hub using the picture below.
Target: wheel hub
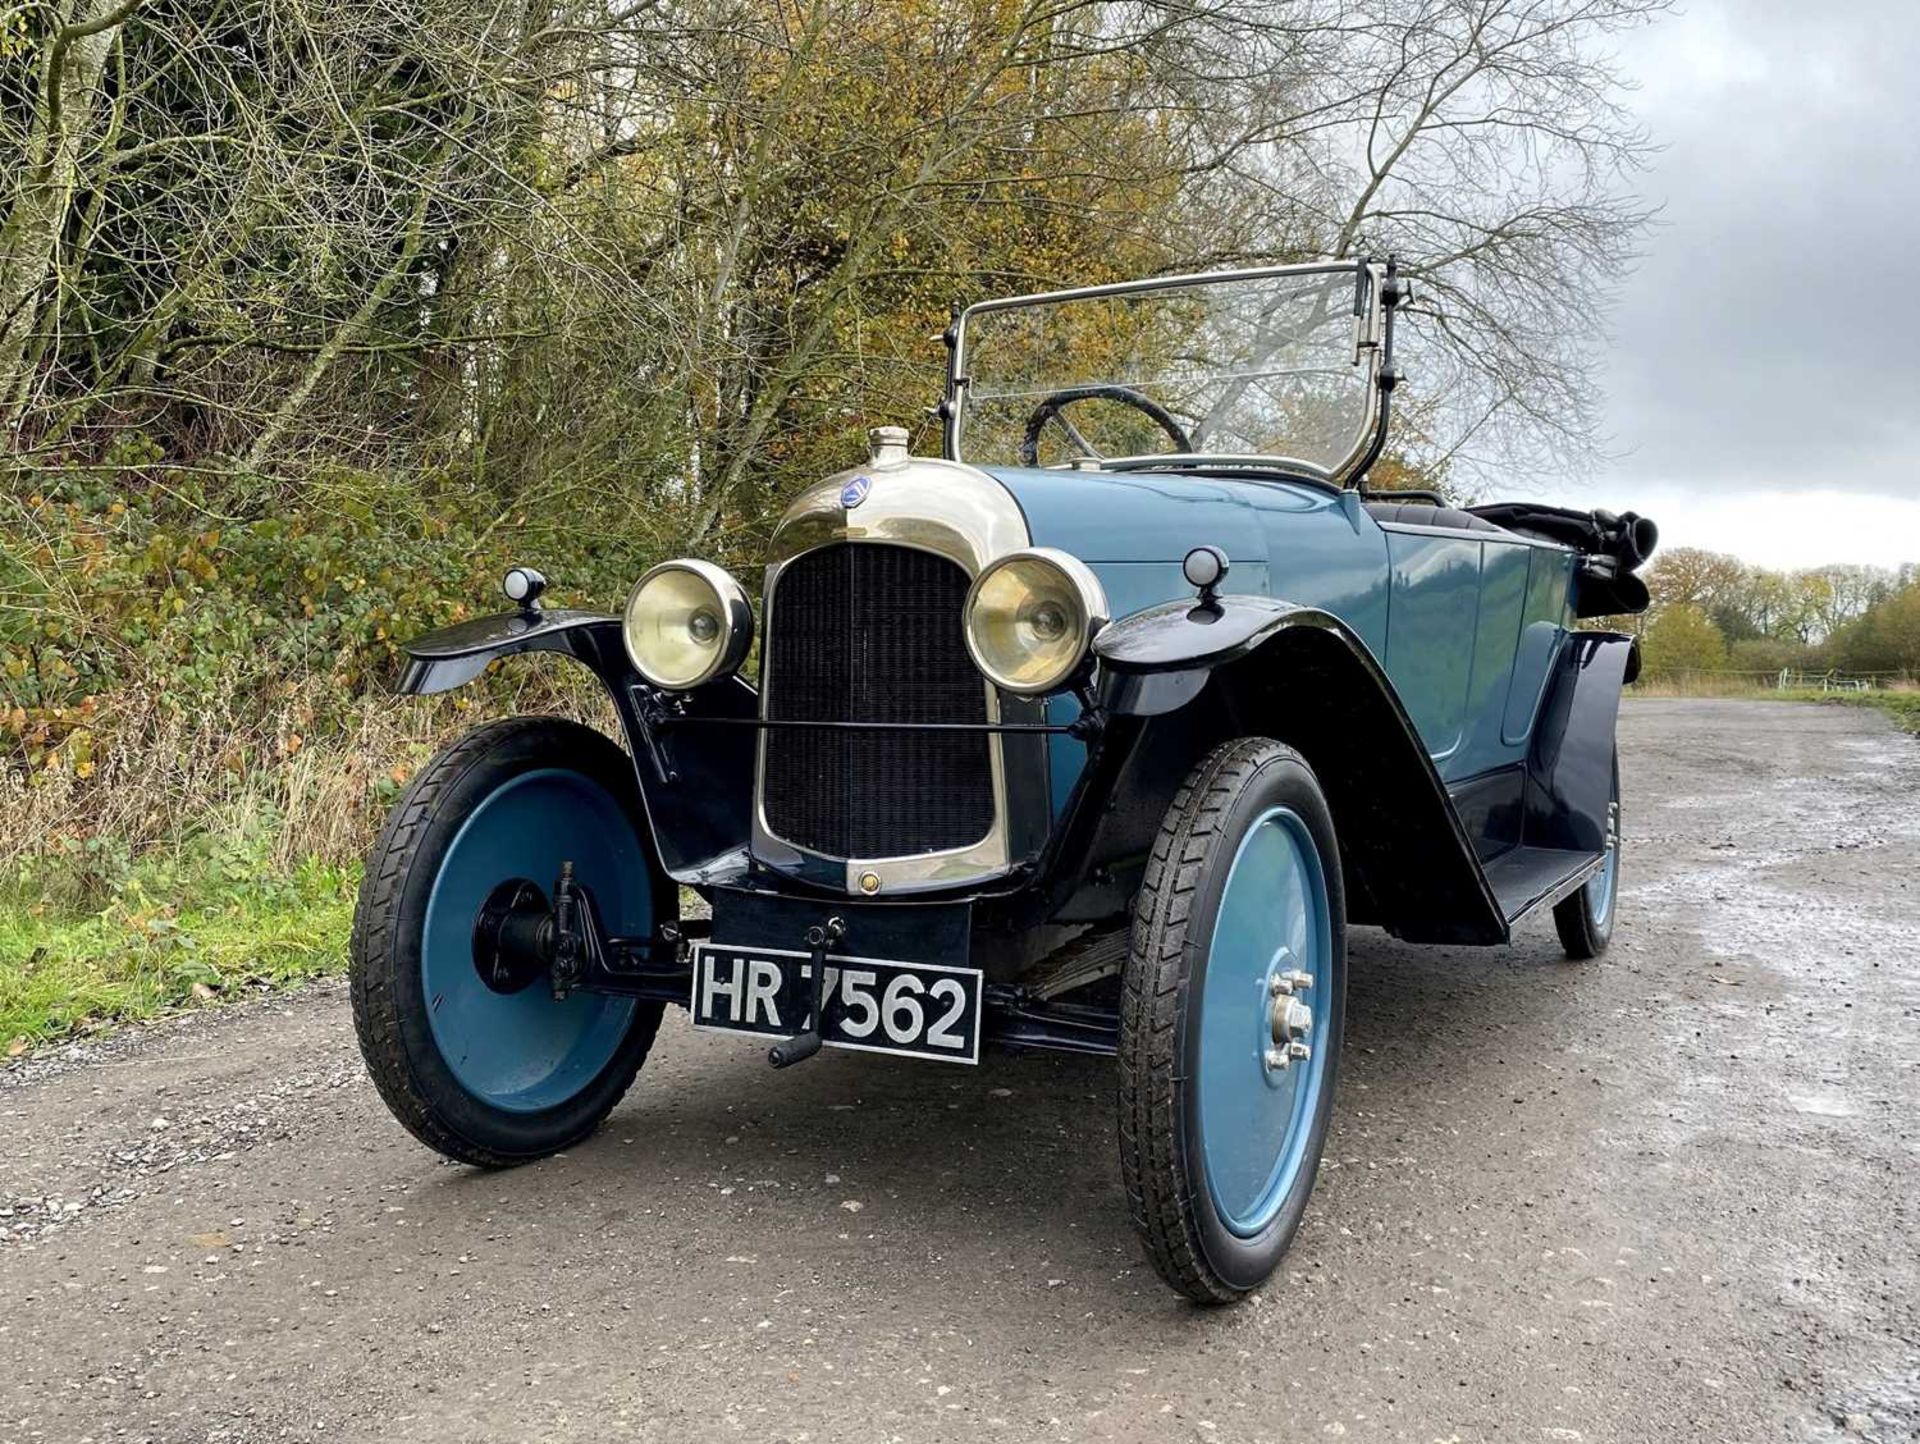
(513, 936)
(1289, 1019)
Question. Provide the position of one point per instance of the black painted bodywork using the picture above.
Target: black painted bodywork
(696, 781)
(1300, 675)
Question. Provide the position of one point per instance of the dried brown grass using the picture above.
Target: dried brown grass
(161, 775)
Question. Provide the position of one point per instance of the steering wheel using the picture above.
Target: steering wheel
(1050, 408)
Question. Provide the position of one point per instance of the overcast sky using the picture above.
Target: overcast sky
(1764, 381)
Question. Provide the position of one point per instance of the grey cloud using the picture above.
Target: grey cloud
(1767, 339)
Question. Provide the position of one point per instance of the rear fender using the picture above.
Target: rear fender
(1569, 781)
(1255, 666)
(696, 782)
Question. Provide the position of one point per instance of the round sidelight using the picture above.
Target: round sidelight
(523, 585)
(1204, 567)
(1030, 617)
(687, 622)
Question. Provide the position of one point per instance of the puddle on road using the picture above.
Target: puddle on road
(1880, 1411)
(1824, 1105)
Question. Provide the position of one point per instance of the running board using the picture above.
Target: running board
(1526, 879)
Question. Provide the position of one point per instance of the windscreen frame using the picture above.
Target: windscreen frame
(1370, 328)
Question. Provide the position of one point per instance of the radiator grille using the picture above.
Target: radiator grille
(864, 632)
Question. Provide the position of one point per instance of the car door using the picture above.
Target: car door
(1474, 620)
(1433, 614)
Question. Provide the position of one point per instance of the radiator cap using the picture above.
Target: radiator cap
(888, 445)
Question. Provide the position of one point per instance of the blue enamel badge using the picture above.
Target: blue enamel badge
(855, 491)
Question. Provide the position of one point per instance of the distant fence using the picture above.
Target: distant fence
(1792, 681)
(1781, 679)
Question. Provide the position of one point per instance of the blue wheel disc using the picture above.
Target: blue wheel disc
(523, 1051)
(1256, 1118)
(1600, 887)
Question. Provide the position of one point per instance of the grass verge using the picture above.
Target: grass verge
(65, 973)
(1903, 707)
(1901, 704)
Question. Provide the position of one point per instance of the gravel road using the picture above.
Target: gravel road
(1668, 1196)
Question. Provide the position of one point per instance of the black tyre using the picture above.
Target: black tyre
(487, 1074)
(1584, 918)
(1232, 1013)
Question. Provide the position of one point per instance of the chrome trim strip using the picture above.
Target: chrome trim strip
(1156, 460)
(954, 511)
(1161, 283)
(1500, 538)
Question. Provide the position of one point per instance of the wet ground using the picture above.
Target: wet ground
(1668, 1196)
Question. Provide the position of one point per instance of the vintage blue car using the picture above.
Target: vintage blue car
(1093, 734)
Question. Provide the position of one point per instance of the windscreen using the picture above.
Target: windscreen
(1259, 366)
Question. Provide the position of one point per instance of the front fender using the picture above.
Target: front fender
(696, 782)
(454, 656)
(1257, 666)
(1187, 635)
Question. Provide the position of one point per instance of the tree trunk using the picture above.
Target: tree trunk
(70, 73)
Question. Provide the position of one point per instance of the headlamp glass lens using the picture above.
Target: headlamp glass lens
(1028, 625)
(675, 628)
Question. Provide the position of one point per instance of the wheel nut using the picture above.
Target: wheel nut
(1279, 985)
(1298, 982)
(1299, 1018)
(1277, 1058)
(1299, 1050)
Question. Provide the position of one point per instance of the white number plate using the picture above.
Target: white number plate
(924, 1010)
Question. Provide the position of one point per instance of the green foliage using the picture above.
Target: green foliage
(1803, 609)
(1712, 611)
(1885, 638)
(210, 602)
(1683, 639)
(1769, 654)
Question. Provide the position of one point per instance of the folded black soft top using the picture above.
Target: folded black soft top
(1613, 547)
